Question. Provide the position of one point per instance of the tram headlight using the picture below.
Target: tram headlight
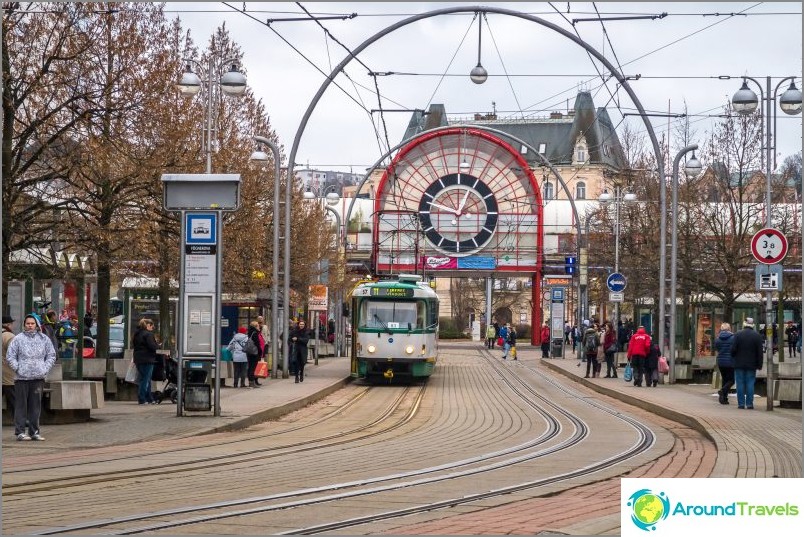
(409, 349)
(372, 349)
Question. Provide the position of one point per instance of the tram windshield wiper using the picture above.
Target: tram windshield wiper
(385, 326)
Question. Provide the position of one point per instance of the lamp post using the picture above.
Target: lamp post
(691, 169)
(260, 156)
(606, 198)
(232, 83)
(745, 102)
(332, 199)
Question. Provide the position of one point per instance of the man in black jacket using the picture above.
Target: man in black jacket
(747, 355)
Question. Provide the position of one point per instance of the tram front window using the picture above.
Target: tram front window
(383, 314)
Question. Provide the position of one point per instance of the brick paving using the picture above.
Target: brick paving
(723, 442)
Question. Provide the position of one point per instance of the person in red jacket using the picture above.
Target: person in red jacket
(545, 341)
(638, 350)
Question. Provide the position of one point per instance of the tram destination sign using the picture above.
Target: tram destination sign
(393, 292)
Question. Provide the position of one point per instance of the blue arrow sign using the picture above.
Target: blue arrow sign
(616, 282)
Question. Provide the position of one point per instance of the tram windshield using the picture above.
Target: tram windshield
(383, 314)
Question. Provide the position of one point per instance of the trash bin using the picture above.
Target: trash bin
(556, 348)
(195, 385)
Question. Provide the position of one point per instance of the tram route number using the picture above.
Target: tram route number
(394, 292)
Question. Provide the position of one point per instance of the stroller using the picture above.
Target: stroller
(170, 389)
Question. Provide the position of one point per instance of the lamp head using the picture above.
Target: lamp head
(745, 101)
(478, 74)
(233, 82)
(629, 197)
(308, 194)
(790, 101)
(693, 166)
(333, 198)
(259, 156)
(605, 197)
(189, 84)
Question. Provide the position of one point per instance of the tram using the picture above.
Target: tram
(394, 329)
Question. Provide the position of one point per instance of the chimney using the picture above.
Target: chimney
(555, 115)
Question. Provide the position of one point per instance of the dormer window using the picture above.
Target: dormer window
(580, 153)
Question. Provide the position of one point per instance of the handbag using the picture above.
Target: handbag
(261, 370)
(499, 341)
(132, 373)
(664, 367)
(251, 348)
(612, 348)
(628, 374)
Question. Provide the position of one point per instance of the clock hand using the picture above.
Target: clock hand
(450, 209)
(463, 202)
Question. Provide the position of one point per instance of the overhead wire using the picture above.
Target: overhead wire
(357, 92)
(505, 70)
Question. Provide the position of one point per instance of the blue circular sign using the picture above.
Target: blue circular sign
(616, 282)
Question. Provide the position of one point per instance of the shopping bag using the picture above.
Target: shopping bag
(499, 342)
(261, 369)
(628, 374)
(512, 352)
(663, 365)
(132, 373)
(226, 354)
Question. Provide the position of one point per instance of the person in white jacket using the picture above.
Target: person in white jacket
(31, 355)
(239, 357)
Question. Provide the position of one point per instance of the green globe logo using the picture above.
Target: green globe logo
(648, 508)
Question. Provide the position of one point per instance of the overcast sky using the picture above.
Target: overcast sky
(679, 58)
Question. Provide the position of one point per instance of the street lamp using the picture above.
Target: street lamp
(691, 169)
(276, 329)
(478, 74)
(332, 199)
(745, 102)
(232, 83)
(605, 198)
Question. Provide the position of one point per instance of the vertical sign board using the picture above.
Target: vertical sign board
(201, 262)
(557, 313)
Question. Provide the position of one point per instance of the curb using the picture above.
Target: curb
(672, 415)
(277, 411)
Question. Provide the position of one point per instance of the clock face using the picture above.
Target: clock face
(458, 213)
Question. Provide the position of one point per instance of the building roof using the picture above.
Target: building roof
(559, 133)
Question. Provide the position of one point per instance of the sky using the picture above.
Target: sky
(533, 70)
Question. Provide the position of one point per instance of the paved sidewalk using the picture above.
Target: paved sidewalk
(750, 443)
(125, 422)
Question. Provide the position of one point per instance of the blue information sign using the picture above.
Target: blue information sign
(616, 282)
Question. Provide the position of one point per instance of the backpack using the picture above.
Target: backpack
(590, 343)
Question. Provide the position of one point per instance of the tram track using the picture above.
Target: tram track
(242, 458)
(345, 490)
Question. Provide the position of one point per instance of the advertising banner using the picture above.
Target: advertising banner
(318, 298)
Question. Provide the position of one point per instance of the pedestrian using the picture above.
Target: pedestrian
(652, 365)
(567, 330)
(504, 337)
(144, 345)
(8, 373)
(638, 350)
(747, 355)
(725, 363)
(49, 326)
(545, 340)
(609, 348)
(591, 341)
(298, 340)
(254, 335)
(800, 338)
(792, 338)
(31, 356)
(576, 336)
(510, 340)
(490, 336)
(67, 335)
(237, 346)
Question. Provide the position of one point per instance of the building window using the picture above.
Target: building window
(580, 191)
(548, 190)
(580, 153)
(542, 148)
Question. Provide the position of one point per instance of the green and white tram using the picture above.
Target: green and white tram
(394, 329)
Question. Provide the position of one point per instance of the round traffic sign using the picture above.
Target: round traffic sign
(616, 282)
(769, 246)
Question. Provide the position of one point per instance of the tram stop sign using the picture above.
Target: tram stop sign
(616, 282)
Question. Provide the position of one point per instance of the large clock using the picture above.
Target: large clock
(458, 213)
